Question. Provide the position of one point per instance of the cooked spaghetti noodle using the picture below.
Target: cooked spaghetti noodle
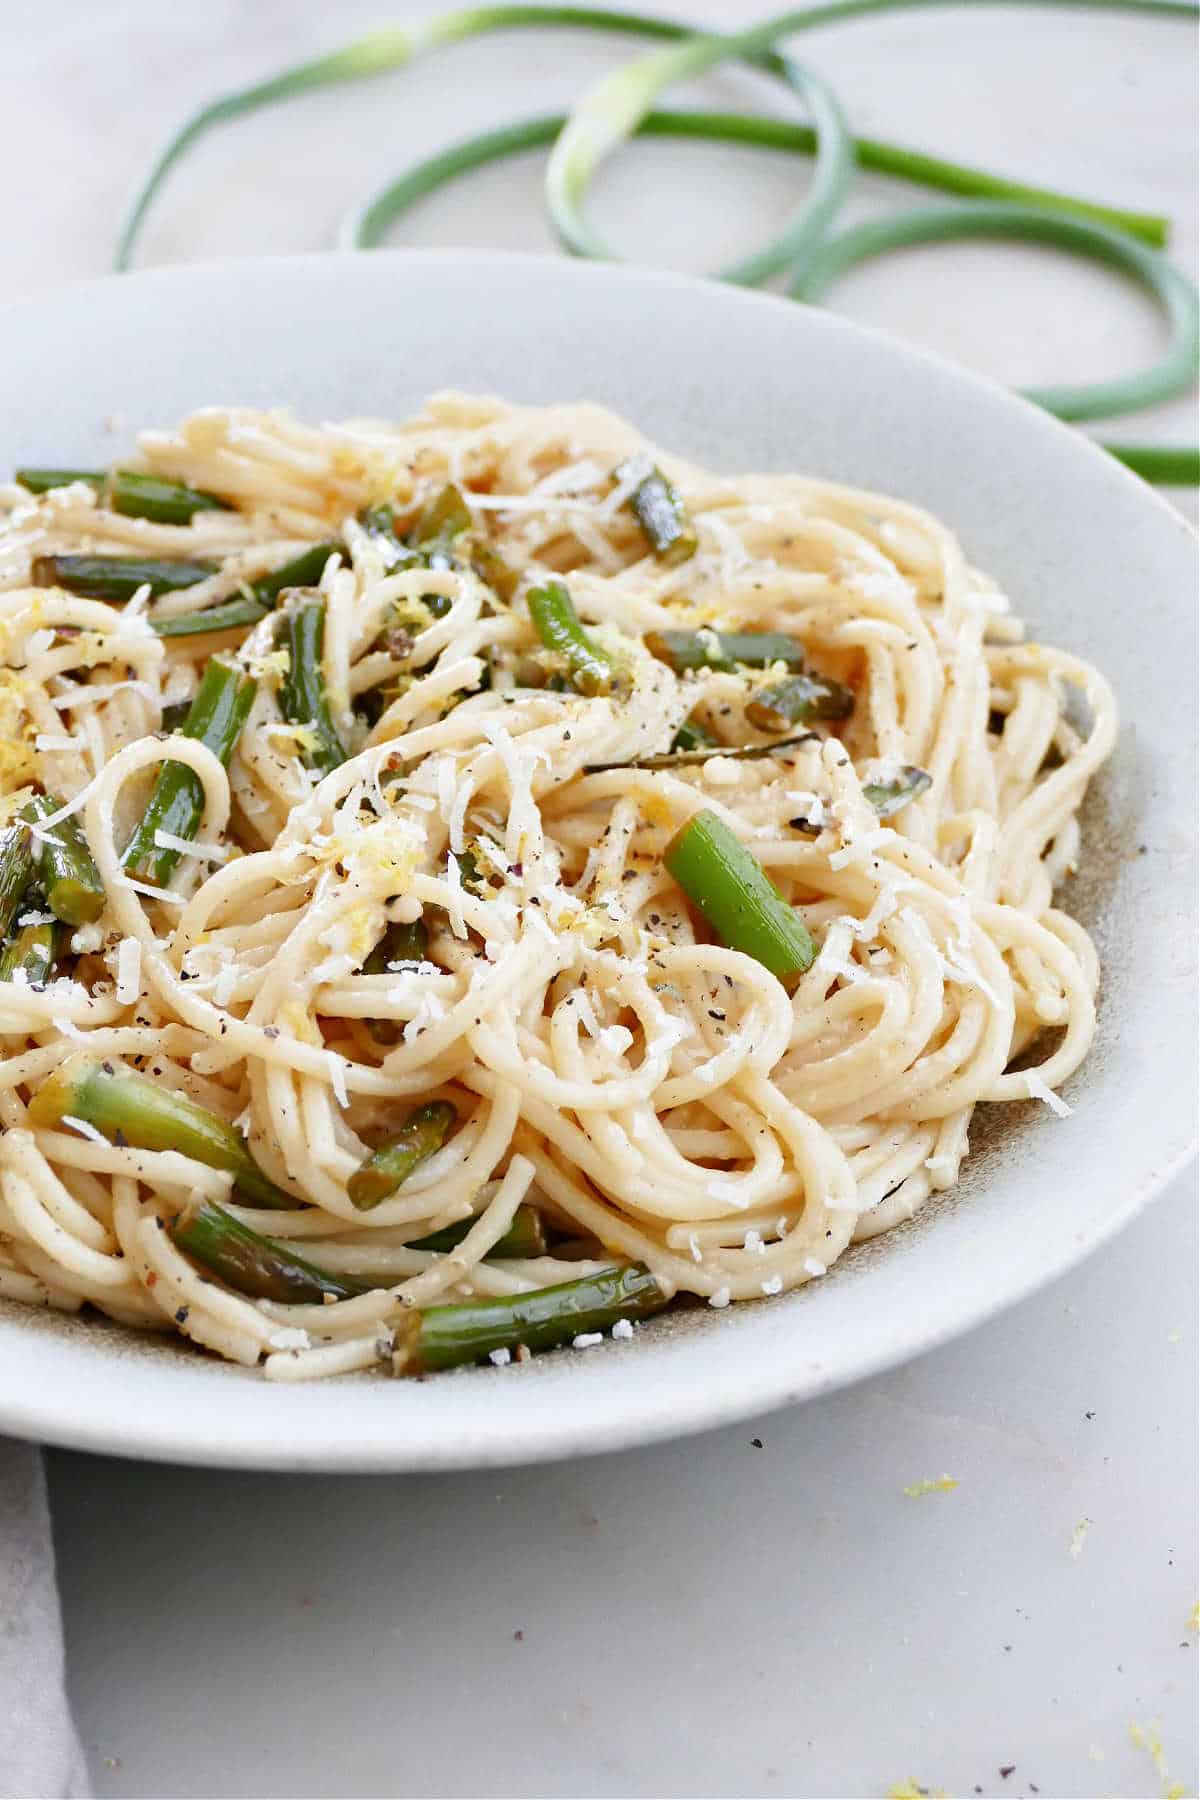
(651, 1094)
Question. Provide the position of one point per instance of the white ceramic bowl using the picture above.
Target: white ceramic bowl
(1091, 558)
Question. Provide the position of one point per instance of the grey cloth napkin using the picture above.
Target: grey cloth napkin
(40, 1757)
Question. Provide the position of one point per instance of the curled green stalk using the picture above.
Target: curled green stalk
(798, 701)
(1168, 465)
(612, 109)
(1172, 373)
(365, 226)
(251, 1264)
(424, 1130)
(1179, 466)
(303, 699)
(707, 649)
(736, 896)
(67, 871)
(372, 55)
(176, 805)
(128, 491)
(117, 578)
(131, 1109)
(392, 49)
(623, 104)
(561, 630)
(442, 1337)
(658, 509)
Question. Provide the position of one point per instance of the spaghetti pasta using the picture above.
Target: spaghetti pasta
(431, 872)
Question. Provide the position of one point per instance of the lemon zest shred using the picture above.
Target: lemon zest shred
(942, 1485)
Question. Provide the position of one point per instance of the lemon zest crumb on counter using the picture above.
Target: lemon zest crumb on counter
(942, 1485)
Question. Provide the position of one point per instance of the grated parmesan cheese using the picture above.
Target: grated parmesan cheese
(812, 806)
(337, 1078)
(860, 847)
(1039, 1091)
(205, 851)
(456, 818)
(95, 694)
(129, 970)
(882, 907)
(446, 778)
(291, 1337)
(726, 1190)
(154, 893)
(83, 1128)
(431, 1009)
(225, 985)
(581, 1000)
(69, 1028)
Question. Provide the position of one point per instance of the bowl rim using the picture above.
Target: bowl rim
(581, 268)
(59, 1417)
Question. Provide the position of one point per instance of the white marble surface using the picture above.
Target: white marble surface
(711, 1618)
(704, 1618)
